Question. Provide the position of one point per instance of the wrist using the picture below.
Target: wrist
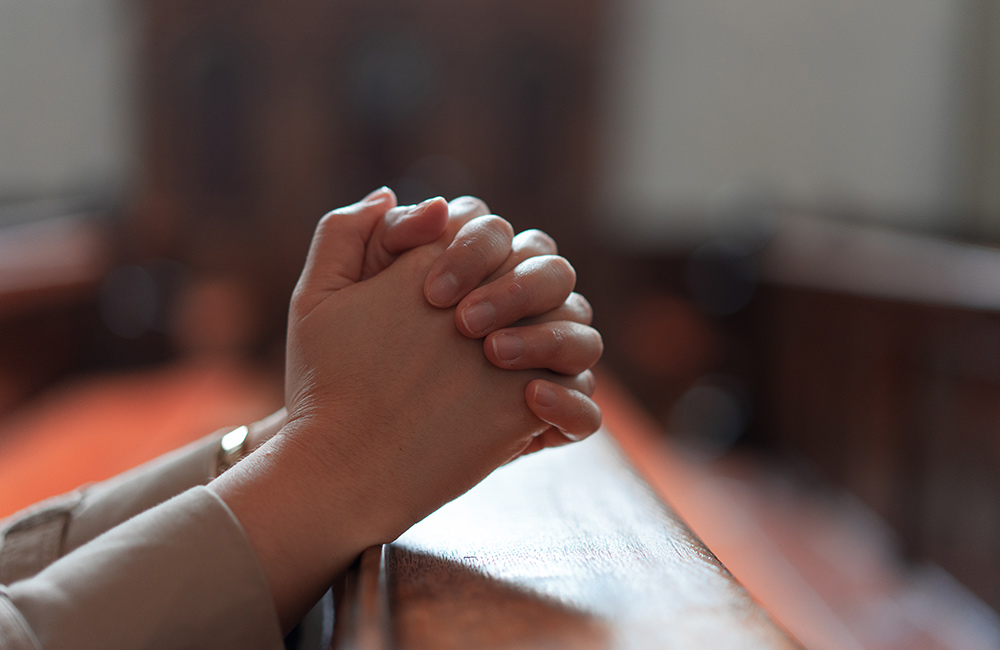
(264, 429)
(293, 513)
(243, 440)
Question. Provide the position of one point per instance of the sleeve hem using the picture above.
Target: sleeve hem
(14, 630)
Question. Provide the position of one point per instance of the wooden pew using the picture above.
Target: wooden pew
(564, 549)
(878, 362)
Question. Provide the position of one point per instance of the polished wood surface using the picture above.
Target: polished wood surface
(563, 549)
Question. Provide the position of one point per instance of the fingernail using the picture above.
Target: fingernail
(545, 396)
(508, 347)
(420, 207)
(377, 196)
(480, 317)
(443, 290)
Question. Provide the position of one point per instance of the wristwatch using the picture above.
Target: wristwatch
(232, 449)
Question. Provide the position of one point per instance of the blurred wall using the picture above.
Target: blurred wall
(222, 130)
(65, 97)
(851, 105)
(985, 181)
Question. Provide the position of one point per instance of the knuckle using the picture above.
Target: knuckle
(580, 383)
(597, 345)
(557, 341)
(560, 269)
(581, 306)
(517, 293)
(570, 348)
(570, 351)
(484, 238)
(499, 226)
(516, 289)
(468, 205)
(474, 253)
(495, 233)
(537, 240)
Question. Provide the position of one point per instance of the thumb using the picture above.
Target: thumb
(337, 251)
(402, 229)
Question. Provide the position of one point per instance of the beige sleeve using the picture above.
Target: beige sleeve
(14, 631)
(111, 502)
(34, 538)
(180, 575)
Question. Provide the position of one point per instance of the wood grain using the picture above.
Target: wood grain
(563, 549)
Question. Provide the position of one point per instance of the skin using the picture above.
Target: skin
(368, 329)
(483, 250)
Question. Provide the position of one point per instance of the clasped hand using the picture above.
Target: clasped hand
(427, 345)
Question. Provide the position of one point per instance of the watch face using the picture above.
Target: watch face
(233, 441)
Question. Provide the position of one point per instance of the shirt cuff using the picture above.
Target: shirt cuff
(182, 574)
